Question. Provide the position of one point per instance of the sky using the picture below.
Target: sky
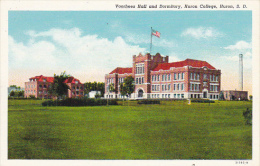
(90, 44)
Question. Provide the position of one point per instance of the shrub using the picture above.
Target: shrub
(248, 116)
(79, 102)
(202, 101)
(148, 102)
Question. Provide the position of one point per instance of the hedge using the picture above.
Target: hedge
(148, 102)
(202, 101)
(79, 102)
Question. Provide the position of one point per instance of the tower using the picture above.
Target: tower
(241, 72)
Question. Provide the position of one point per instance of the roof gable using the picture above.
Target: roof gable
(187, 62)
(41, 78)
(121, 70)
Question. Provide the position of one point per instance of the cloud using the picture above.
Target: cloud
(240, 45)
(67, 49)
(202, 32)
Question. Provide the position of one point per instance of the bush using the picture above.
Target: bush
(79, 102)
(202, 101)
(148, 102)
(248, 116)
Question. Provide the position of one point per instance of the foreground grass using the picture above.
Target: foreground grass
(172, 130)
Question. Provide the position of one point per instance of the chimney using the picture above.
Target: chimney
(241, 72)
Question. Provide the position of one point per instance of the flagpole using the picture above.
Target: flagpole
(151, 41)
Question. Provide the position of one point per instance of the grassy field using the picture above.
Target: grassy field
(171, 130)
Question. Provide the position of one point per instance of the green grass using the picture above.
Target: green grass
(171, 130)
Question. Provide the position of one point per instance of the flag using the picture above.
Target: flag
(156, 33)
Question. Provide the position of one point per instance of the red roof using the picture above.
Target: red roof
(72, 80)
(121, 70)
(187, 62)
(41, 78)
(51, 79)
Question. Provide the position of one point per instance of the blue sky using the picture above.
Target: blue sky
(89, 44)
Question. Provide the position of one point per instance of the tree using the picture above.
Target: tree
(128, 86)
(20, 93)
(12, 94)
(123, 91)
(59, 88)
(94, 86)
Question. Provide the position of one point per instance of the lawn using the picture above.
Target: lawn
(171, 130)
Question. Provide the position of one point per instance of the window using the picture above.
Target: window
(191, 76)
(205, 76)
(136, 81)
(182, 86)
(169, 86)
(182, 76)
(162, 95)
(162, 87)
(175, 75)
(178, 86)
(174, 87)
(182, 95)
(162, 77)
(216, 78)
(174, 95)
(168, 95)
(142, 80)
(139, 69)
(152, 77)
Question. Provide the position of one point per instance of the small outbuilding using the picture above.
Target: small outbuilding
(92, 94)
(235, 95)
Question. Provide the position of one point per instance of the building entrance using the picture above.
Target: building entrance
(205, 95)
(140, 93)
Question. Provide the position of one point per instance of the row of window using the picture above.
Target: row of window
(139, 80)
(195, 87)
(110, 80)
(167, 96)
(213, 78)
(214, 88)
(167, 77)
(30, 86)
(121, 80)
(167, 87)
(139, 69)
(77, 93)
(30, 91)
(77, 88)
(194, 76)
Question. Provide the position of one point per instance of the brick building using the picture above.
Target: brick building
(155, 77)
(38, 87)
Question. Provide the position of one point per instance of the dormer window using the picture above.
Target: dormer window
(76, 82)
(44, 80)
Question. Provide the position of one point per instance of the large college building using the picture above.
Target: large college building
(38, 87)
(155, 77)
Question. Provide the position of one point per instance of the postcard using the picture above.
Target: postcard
(130, 83)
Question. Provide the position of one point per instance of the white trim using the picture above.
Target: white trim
(213, 83)
(195, 83)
